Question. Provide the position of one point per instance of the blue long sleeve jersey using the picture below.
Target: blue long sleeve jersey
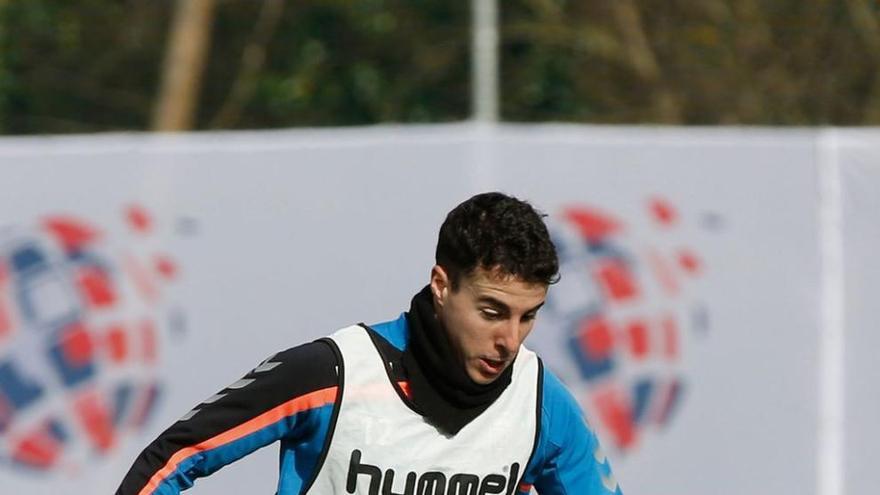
(292, 398)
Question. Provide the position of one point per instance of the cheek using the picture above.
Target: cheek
(470, 330)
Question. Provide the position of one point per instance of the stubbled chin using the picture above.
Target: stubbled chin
(480, 378)
(477, 377)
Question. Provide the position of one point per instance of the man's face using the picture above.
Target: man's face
(486, 318)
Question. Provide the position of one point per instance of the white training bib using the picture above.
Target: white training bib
(381, 446)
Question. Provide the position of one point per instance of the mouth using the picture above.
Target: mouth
(492, 367)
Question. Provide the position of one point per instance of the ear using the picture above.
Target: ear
(439, 285)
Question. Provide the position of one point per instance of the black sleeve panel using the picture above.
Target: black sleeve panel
(285, 376)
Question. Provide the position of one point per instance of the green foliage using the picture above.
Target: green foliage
(343, 63)
(78, 66)
(94, 65)
(779, 62)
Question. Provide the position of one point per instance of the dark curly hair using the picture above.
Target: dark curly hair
(496, 231)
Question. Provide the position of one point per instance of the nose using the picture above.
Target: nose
(508, 337)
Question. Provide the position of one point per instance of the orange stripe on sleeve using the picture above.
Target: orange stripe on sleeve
(312, 400)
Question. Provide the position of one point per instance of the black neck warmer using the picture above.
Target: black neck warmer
(440, 386)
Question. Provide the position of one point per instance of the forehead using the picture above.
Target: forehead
(505, 288)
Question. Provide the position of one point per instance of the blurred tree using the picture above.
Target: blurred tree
(788, 62)
(188, 48)
(94, 65)
(335, 62)
(78, 66)
(253, 59)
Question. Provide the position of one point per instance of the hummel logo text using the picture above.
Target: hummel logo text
(428, 483)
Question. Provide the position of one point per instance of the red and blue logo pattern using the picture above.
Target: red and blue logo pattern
(626, 309)
(79, 337)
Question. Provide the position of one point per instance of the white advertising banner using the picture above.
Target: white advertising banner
(140, 274)
(858, 163)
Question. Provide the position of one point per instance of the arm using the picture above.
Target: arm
(568, 459)
(285, 397)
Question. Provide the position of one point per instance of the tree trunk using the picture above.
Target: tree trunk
(184, 62)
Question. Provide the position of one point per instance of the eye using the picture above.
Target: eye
(490, 314)
(529, 316)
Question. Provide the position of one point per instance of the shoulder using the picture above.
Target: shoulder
(291, 373)
(395, 332)
(320, 358)
(317, 352)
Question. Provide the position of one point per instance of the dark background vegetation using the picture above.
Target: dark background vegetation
(96, 65)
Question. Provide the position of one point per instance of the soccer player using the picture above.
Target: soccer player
(443, 400)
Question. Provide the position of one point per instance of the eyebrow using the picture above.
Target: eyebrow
(500, 305)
